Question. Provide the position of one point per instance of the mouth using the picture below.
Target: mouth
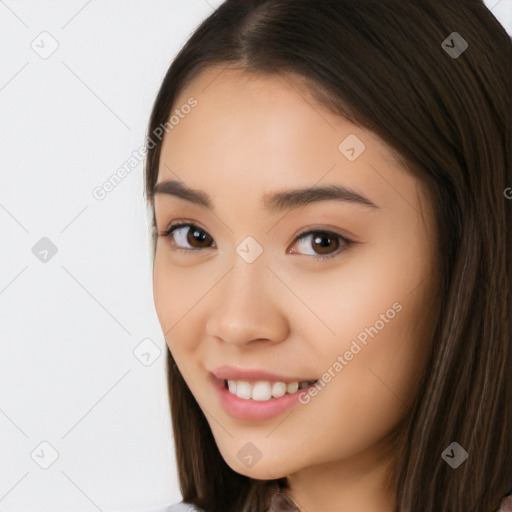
(258, 400)
(263, 391)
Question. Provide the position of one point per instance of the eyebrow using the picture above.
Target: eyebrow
(274, 202)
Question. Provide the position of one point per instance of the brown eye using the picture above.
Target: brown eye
(195, 237)
(325, 244)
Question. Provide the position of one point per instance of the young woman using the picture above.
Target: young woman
(331, 190)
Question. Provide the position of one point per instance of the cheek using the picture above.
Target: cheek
(373, 390)
(179, 294)
(381, 325)
(162, 297)
(176, 289)
(170, 298)
(375, 293)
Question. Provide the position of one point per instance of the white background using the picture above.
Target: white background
(69, 326)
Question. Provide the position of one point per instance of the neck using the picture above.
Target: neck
(356, 483)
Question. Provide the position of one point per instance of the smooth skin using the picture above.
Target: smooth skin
(289, 312)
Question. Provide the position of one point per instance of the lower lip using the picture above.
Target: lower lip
(256, 409)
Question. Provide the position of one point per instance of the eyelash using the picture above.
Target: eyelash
(347, 242)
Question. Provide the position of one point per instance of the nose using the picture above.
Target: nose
(249, 306)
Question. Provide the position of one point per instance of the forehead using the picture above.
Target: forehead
(249, 133)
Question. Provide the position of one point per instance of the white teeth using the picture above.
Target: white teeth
(243, 389)
(278, 389)
(292, 387)
(263, 390)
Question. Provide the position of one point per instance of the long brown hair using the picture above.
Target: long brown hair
(383, 65)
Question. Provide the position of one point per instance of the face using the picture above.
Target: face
(335, 289)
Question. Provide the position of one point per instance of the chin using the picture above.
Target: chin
(261, 470)
(260, 473)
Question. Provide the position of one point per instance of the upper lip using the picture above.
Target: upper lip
(252, 374)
